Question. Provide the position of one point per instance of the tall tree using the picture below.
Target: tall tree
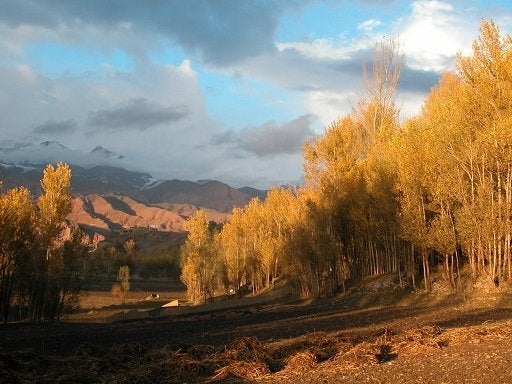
(376, 112)
(18, 242)
(54, 205)
(40, 271)
(232, 246)
(199, 263)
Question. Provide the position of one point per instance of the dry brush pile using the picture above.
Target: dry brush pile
(245, 360)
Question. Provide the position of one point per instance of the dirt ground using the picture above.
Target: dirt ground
(259, 341)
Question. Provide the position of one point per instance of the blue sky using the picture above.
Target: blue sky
(222, 89)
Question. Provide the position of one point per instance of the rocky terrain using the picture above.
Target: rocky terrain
(113, 212)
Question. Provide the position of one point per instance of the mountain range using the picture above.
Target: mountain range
(107, 197)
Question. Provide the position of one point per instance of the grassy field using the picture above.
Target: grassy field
(98, 304)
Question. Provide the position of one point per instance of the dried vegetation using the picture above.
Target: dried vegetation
(245, 360)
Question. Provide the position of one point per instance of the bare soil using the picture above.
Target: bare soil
(393, 338)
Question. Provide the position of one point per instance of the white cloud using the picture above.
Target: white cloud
(186, 68)
(340, 48)
(409, 104)
(434, 32)
(27, 73)
(369, 25)
(177, 143)
(329, 106)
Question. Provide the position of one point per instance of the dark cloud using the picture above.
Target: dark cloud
(312, 73)
(417, 81)
(221, 31)
(411, 80)
(354, 64)
(294, 70)
(270, 138)
(136, 114)
(52, 127)
(29, 12)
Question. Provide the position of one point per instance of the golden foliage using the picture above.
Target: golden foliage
(382, 196)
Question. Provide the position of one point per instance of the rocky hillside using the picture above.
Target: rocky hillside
(109, 200)
(139, 186)
(208, 194)
(113, 212)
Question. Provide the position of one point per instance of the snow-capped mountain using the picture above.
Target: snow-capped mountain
(97, 171)
(105, 153)
(52, 151)
(103, 173)
(27, 153)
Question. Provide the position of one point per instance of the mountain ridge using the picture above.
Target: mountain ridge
(97, 168)
(108, 200)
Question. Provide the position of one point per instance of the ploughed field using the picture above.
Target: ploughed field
(272, 340)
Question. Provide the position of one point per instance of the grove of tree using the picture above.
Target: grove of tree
(41, 271)
(383, 195)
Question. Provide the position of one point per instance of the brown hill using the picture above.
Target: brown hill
(207, 194)
(210, 194)
(109, 200)
(104, 213)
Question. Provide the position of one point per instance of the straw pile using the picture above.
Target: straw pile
(243, 360)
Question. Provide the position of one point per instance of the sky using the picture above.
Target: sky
(221, 89)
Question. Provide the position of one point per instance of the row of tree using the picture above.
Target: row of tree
(383, 196)
(40, 272)
(160, 262)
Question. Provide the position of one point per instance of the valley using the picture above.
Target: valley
(136, 248)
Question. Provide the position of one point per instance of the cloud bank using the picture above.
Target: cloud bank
(136, 114)
(157, 83)
(270, 139)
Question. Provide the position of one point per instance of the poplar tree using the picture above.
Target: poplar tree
(18, 243)
(54, 205)
(40, 272)
(199, 261)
